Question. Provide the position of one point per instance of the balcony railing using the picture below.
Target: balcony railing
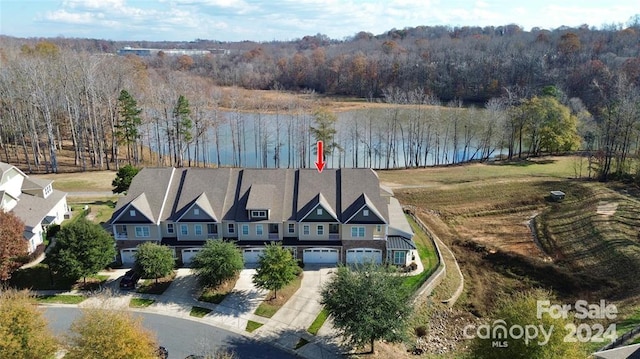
(334, 236)
(120, 235)
(274, 236)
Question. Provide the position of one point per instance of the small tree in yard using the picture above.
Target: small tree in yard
(23, 329)
(276, 268)
(123, 179)
(217, 262)
(82, 248)
(12, 244)
(367, 304)
(154, 260)
(110, 334)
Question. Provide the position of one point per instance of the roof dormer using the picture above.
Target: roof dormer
(260, 201)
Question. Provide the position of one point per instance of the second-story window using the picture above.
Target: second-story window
(231, 228)
(170, 228)
(259, 230)
(305, 229)
(245, 229)
(357, 231)
(184, 229)
(292, 227)
(211, 228)
(142, 231)
(198, 229)
(320, 230)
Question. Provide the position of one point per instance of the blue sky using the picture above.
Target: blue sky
(260, 20)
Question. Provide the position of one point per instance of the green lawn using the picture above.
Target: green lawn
(318, 322)
(60, 299)
(199, 312)
(140, 302)
(270, 305)
(559, 167)
(428, 257)
(38, 277)
(251, 326)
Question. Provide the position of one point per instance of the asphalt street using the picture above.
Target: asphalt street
(179, 336)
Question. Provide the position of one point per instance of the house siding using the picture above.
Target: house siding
(359, 217)
(190, 216)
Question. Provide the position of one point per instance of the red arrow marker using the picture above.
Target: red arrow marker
(320, 158)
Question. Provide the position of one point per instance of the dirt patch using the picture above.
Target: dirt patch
(507, 232)
(607, 209)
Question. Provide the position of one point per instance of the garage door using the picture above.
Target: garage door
(128, 255)
(364, 255)
(320, 255)
(252, 255)
(188, 254)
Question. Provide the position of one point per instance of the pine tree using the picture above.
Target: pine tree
(127, 126)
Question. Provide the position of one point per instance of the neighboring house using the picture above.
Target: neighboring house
(32, 200)
(339, 215)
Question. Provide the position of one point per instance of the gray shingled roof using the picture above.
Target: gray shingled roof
(287, 193)
(310, 184)
(261, 196)
(33, 209)
(35, 183)
(189, 185)
(154, 183)
(319, 199)
(354, 183)
(279, 179)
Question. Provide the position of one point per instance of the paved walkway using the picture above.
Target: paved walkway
(284, 330)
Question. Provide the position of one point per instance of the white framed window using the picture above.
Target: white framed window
(211, 228)
(320, 230)
(198, 229)
(357, 231)
(399, 257)
(259, 230)
(142, 231)
(231, 228)
(305, 230)
(292, 227)
(319, 211)
(365, 212)
(184, 229)
(196, 211)
(258, 214)
(245, 229)
(170, 228)
(132, 213)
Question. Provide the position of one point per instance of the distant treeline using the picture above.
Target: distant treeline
(59, 89)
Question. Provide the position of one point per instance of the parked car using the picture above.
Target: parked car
(130, 279)
(162, 353)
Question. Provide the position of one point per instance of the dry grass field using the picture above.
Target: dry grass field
(588, 244)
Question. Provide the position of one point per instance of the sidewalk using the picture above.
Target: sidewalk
(284, 330)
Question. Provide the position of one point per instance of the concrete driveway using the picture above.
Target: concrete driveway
(238, 307)
(304, 306)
